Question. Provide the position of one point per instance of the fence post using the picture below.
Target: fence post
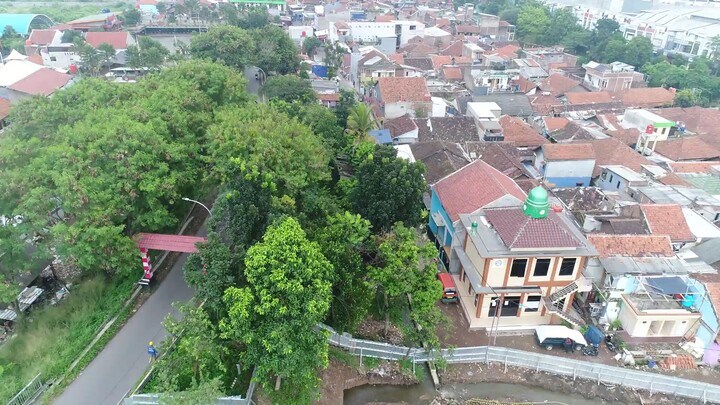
(599, 373)
(360, 356)
(574, 371)
(487, 355)
(537, 368)
(413, 360)
(652, 381)
(506, 356)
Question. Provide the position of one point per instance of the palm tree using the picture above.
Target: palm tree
(360, 122)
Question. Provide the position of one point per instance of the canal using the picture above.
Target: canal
(424, 393)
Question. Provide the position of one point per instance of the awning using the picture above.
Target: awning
(470, 269)
(669, 285)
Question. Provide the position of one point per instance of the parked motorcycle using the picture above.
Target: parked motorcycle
(610, 343)
(590, 350)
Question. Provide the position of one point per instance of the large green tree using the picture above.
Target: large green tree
(211, 272)
(288, 88)
(403, 270)
(113, 159)
(198, 356)
(148, 53)
(226, 44)
(344, 241)
(534, 22)
(274, 51)
(288, 292)
(260, 137)
(388, 189)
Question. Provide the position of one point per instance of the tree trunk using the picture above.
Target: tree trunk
(278, 380)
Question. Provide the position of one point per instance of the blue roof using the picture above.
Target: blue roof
(382, 136)
(22, 23)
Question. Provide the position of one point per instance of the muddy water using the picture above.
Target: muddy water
(424, 393)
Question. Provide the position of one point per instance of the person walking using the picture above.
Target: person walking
(152, 351)
(568, 345)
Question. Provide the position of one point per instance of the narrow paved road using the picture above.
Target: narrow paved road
(125, 360)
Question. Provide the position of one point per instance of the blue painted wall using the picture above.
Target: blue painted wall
(708, 315)
(436, 206)
(569, 181)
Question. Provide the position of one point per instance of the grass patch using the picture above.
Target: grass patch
(342, 356)
(61, 13)
(50, 339)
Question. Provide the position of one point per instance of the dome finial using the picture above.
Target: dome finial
(536, 205)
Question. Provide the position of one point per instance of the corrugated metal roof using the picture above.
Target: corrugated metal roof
(173, 243)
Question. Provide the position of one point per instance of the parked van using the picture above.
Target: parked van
(549, 336)
(449, 288)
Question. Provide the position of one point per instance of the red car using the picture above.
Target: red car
(449, 288)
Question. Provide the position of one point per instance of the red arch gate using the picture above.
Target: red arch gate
(157, 241)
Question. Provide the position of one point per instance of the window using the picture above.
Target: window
(476, 300)
(542, 267)
(611, 178)
(518, 268)
(618, 184)
(567, 267)
(412, 27)
(53, 59)
(532, 304)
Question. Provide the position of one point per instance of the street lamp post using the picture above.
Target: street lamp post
(198, 202)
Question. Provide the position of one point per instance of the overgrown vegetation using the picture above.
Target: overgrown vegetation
(49, 339)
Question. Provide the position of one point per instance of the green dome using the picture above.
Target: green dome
(536, 205)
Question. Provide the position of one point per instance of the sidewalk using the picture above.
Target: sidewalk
(124, 360)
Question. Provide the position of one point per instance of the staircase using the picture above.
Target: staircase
(580, 285)
(554, 309)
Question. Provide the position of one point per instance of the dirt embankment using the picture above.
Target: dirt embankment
(476, 373)
(339, 377)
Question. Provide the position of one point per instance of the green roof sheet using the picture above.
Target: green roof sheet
(706, 182)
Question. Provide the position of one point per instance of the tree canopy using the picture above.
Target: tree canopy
(288, 88)
(288, 292)
(112, 159)
(388, 189)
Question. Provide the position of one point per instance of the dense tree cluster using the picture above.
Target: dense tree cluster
(267, 47)
(698, 82)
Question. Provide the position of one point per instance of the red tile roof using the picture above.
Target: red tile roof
(394, 89)
(524, 84)
(694, 167)
(589, 98)
(555, 123)
(400, 125)
(42, 37)
(700, 120)
(454, 49)
(473, 187)
(36, 59)
(568, 151)
(385, 18)
(646, 97)
(519, 231)
(4, 108)
(328, 96)
(613, 152)
(43, 82)
(687, 148)
(518, 132)
(452, 73)
(397, 58)
(506, 52)
(558, 84)
(118, 40)
(667, 219)
(439, 61)
(543, 104)
(632, 245)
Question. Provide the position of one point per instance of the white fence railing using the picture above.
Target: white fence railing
(601, 373)
(29, 393)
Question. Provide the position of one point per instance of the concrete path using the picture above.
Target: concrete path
(124, 360)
